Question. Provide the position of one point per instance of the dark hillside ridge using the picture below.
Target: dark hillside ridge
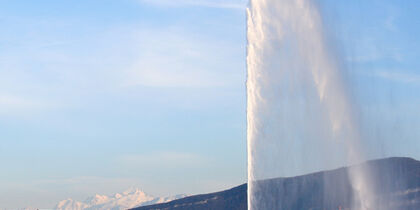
(396, 180)
(232, 199)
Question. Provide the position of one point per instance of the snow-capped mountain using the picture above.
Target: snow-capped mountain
(130, 198)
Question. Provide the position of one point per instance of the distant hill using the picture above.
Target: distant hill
(397, 181)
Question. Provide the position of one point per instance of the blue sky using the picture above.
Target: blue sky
(97, 96)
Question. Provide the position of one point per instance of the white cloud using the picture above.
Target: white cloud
(85, 180)
(225, 4)
(150, 74)
(13, 104)
(389, 23)
(125, 57)
(162, 160)
(10, 101)
(169, 57)
(408, 78)
(368, 52)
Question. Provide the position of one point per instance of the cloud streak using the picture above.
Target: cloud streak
(232, 4)
(12, 104)
(170, 58)
(406, 78)
(162, 159)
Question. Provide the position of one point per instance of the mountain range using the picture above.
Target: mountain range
(130, 198)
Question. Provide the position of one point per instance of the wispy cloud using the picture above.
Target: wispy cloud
(402, 77)
(12, 104)
(368, 52)
(125, 57)
(389, 23)
(151, 74)
(87, 183)
(172, 58)
(227, 4)
(162, 159)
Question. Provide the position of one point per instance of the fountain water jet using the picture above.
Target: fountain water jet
(299, 114)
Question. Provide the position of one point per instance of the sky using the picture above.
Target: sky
(101, 95)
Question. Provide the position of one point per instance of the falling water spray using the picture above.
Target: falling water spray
(300, 116)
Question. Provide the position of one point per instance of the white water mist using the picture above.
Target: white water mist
(299, 114)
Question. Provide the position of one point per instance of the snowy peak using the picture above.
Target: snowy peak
(133, 190)
(130, 198)
(97, 199)
(70, 204)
